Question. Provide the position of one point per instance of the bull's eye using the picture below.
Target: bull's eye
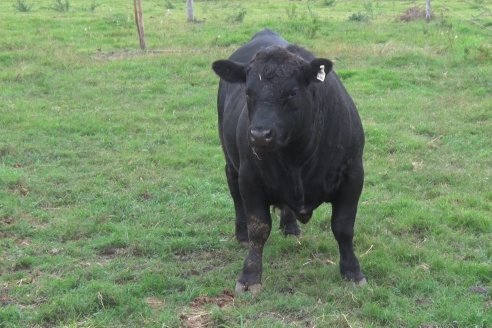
(293, 93)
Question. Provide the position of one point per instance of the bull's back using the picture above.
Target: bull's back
(260, 40)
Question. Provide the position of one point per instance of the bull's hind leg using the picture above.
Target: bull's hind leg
(342, 225)
(241, 225)
(288, 222)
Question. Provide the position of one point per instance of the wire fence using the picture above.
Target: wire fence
(476, 12)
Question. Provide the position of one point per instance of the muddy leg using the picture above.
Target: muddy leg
(259, 228)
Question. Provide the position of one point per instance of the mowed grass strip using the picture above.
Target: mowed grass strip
(114, 209)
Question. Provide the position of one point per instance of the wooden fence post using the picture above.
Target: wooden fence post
(137, 6)
(428, 13)
(189, 10)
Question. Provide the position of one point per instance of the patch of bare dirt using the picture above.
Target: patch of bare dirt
(112, 251)
(20, 189)
(488, 305)
(5, 299)
(479, 290)
(198, 316)
(155, 303)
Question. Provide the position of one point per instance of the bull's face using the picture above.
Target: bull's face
(279, 102)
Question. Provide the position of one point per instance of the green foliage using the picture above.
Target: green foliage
(22, 6)
(238, 15)
(61, 5)
(93, 6)
(482, 53)
(114, 208)
(169, 5)
(359, 17)
(307, 22)
(314, 24)
(291, 11)
(329, 3)
(369, 12)
(313, 27)
(369, 8)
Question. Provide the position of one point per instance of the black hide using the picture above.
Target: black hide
(292, 138)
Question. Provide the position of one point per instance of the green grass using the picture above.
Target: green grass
(114, 209)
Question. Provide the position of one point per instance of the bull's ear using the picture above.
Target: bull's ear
(229, 71)
(317, 70)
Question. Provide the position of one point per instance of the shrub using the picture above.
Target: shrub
(93, 6)
(313, 27)
(291, 12)
(22, 6)
(61, 5)
(329, 3)
(169, 5)
(359, 17)
(238, 16)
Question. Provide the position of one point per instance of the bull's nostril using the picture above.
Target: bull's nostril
(261, 136)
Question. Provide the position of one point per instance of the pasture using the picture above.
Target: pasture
(114, 207)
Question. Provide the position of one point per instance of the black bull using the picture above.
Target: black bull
(292, 138)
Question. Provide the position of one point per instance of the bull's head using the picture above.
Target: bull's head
(279, 101)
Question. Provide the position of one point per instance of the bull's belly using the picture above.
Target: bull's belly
(302, 207)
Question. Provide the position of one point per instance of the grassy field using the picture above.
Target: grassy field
(114, 209)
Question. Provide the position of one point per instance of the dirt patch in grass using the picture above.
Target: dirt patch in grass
(5, 299)
(155, 303)
(199, 316)
(8, 220)
(20, 189)
(112, 251)
(483, 290)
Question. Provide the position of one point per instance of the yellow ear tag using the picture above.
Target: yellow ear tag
(321, 74)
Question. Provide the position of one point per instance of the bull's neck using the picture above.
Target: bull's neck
(303, 149)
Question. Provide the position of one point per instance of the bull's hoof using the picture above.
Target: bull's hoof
(358, 279)
(361, 282)
(242, 239)
(242, 236)
(253, 289)
(291, 230)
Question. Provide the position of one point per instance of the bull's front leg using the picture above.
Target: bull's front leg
(259, 224)
(342, 225)
(250, 278)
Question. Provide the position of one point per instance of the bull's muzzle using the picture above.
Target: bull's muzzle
(261, 137)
